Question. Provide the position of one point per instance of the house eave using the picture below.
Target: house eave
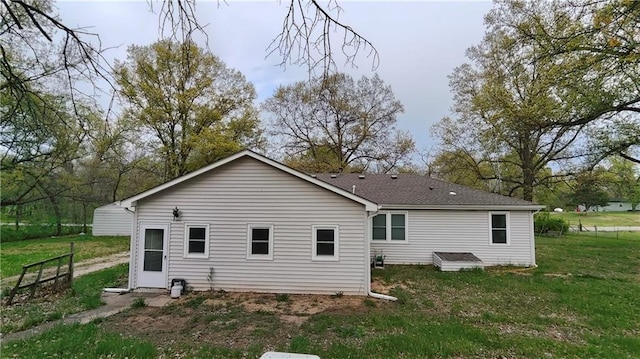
(463, 207)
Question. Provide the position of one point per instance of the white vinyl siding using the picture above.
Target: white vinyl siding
(460, 231)
(111, 220)
(245, 192)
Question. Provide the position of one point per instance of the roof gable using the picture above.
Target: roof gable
(132, 201)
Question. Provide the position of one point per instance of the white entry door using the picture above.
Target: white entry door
(152, 263)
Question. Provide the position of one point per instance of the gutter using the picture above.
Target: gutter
(368, 262)
(462, 207)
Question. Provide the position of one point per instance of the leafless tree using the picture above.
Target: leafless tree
(307, 33)
(31, 52)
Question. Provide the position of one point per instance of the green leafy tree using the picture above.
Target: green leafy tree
(196, 108)
(41, 138)
(545, 78)
(589, 189)
(623, 180)
(336, 123)
(453, 166)
(634, 195)
(596, 43)
(506, 116)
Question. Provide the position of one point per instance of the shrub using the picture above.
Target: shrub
(138, 303)
(543, 223)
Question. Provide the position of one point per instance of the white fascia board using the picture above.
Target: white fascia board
(533, 207)
(132, 201)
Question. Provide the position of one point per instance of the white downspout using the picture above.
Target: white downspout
(533, 240)
(367, 247)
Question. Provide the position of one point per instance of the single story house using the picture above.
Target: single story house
(614, 205)
(112, 220)
(248, 223)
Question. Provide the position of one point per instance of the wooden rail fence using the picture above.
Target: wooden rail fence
(39, 280)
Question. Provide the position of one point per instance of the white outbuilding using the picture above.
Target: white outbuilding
(112, 220)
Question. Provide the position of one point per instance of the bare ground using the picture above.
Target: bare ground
(232, 320)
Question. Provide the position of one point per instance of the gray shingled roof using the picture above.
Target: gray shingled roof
(415, 190)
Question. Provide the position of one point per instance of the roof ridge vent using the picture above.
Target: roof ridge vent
(361, 176)
(334, 176)
(394, 176)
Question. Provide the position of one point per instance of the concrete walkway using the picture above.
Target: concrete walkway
(115, 303)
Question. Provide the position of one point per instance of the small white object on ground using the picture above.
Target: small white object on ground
(279, 355)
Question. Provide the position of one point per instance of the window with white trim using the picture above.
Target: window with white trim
(325, 242)
(499, 228)
(260, 241)
(389, 226)
(379, 227)
(196, 240)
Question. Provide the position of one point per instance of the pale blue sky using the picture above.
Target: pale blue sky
(420, 42)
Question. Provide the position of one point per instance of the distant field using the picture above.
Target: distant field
(16, 254)
(605, 219)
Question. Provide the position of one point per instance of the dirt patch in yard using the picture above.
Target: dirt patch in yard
(386, 288)
(230, 320)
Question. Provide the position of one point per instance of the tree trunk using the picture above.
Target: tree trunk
(18, 214)
(528, 176)
(84, 217)
(56, 212)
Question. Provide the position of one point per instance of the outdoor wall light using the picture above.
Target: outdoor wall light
(176, 213)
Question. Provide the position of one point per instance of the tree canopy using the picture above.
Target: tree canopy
(196, 108)
(336, 123)
(545, 79)
(62, 155)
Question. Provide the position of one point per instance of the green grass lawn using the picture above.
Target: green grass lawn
(16, 254)
(48, 306)
(603, 219)
(581, 302)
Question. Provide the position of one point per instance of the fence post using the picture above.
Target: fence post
(70, 264)
(58, 271)
(35, 284)
(15, 289)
